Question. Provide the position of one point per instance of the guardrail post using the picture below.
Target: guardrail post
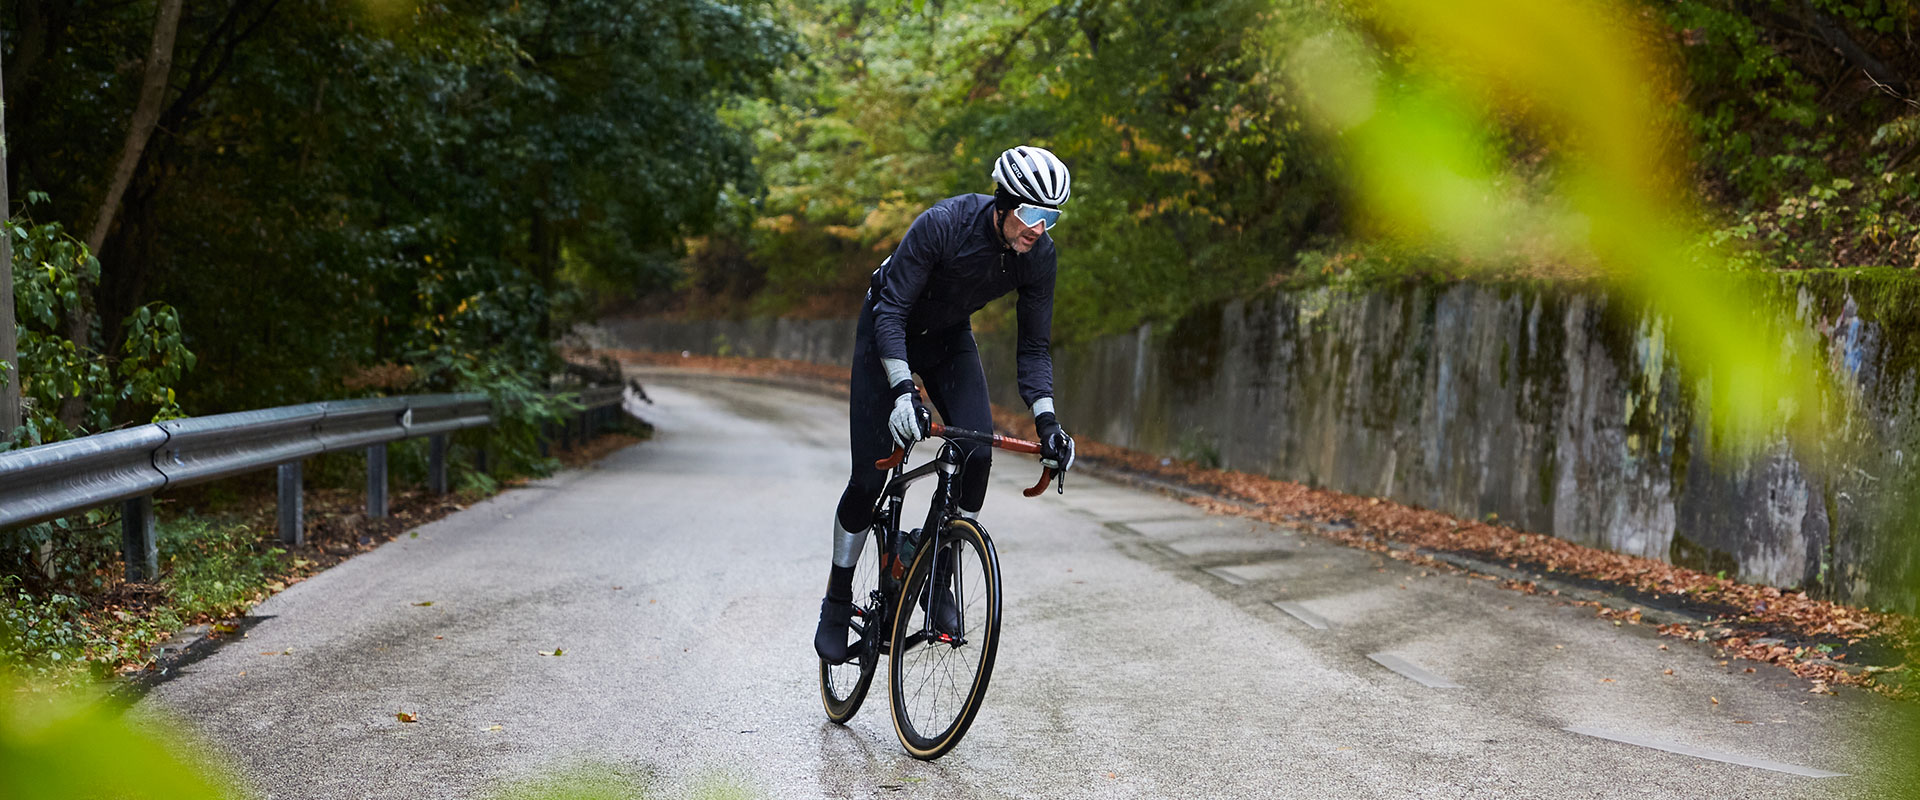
(480, 461)
(377, 480)
(293, 522)
(138, 544)
(546, 437)
(437, 463)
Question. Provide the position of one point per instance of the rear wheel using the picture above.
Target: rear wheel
(843, 687)
(939, 678)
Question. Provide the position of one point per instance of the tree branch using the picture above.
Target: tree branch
(199, 84)
(987, 75)
(1837, 38)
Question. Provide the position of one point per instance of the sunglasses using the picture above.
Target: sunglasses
(1033, 215)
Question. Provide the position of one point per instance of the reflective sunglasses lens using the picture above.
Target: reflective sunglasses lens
(1032, 215)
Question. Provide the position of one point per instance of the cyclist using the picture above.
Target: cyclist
(957, 256)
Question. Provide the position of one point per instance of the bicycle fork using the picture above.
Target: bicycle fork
(945, 469)
(943, 511)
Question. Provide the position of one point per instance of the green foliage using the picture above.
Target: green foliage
(53, 274)
(1810, 155)
(66, 554)
(848, 150)
(586, 782)
(1193, 177)
(590, 781)
(1191, 168)
(1197, 176)
(336, 187)
(66, 614)
(212, 568)
(38, 633)
(520, 407)
(58, 745)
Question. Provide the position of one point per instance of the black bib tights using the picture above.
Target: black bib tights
(948, 363)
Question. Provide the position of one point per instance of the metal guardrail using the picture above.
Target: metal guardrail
(129, 466)
(40, 483)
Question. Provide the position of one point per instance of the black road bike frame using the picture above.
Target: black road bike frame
(945, 506)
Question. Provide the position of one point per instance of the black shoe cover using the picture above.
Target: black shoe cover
(830, 639)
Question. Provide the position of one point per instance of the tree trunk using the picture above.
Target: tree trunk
(9, 346)
(145, 114)
(139, 131)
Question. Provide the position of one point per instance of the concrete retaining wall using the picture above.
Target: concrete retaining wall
(818, 341)
(1559, 409)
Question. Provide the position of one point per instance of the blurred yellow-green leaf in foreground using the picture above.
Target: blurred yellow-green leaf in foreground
(596, 781)
(1421, 97)
(59, 745)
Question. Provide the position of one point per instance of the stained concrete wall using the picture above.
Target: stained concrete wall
(1560, 409)
(817, 341)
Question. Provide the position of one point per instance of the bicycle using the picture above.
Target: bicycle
(937, 678)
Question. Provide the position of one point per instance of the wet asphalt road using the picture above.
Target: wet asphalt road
(1142, 655)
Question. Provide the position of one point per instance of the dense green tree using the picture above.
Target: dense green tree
(1193, 176)
(1805, 117)
(333, 187)
(1197, 178)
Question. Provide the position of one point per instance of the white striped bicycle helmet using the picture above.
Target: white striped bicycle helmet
(1033, 175)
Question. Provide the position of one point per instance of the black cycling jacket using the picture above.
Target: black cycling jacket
(952, 263)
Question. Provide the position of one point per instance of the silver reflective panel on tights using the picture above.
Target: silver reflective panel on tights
(846, 545)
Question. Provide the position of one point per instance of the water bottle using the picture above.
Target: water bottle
(904, 548)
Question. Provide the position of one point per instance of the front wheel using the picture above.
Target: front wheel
(939, 676)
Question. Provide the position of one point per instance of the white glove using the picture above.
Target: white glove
(909, 420)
